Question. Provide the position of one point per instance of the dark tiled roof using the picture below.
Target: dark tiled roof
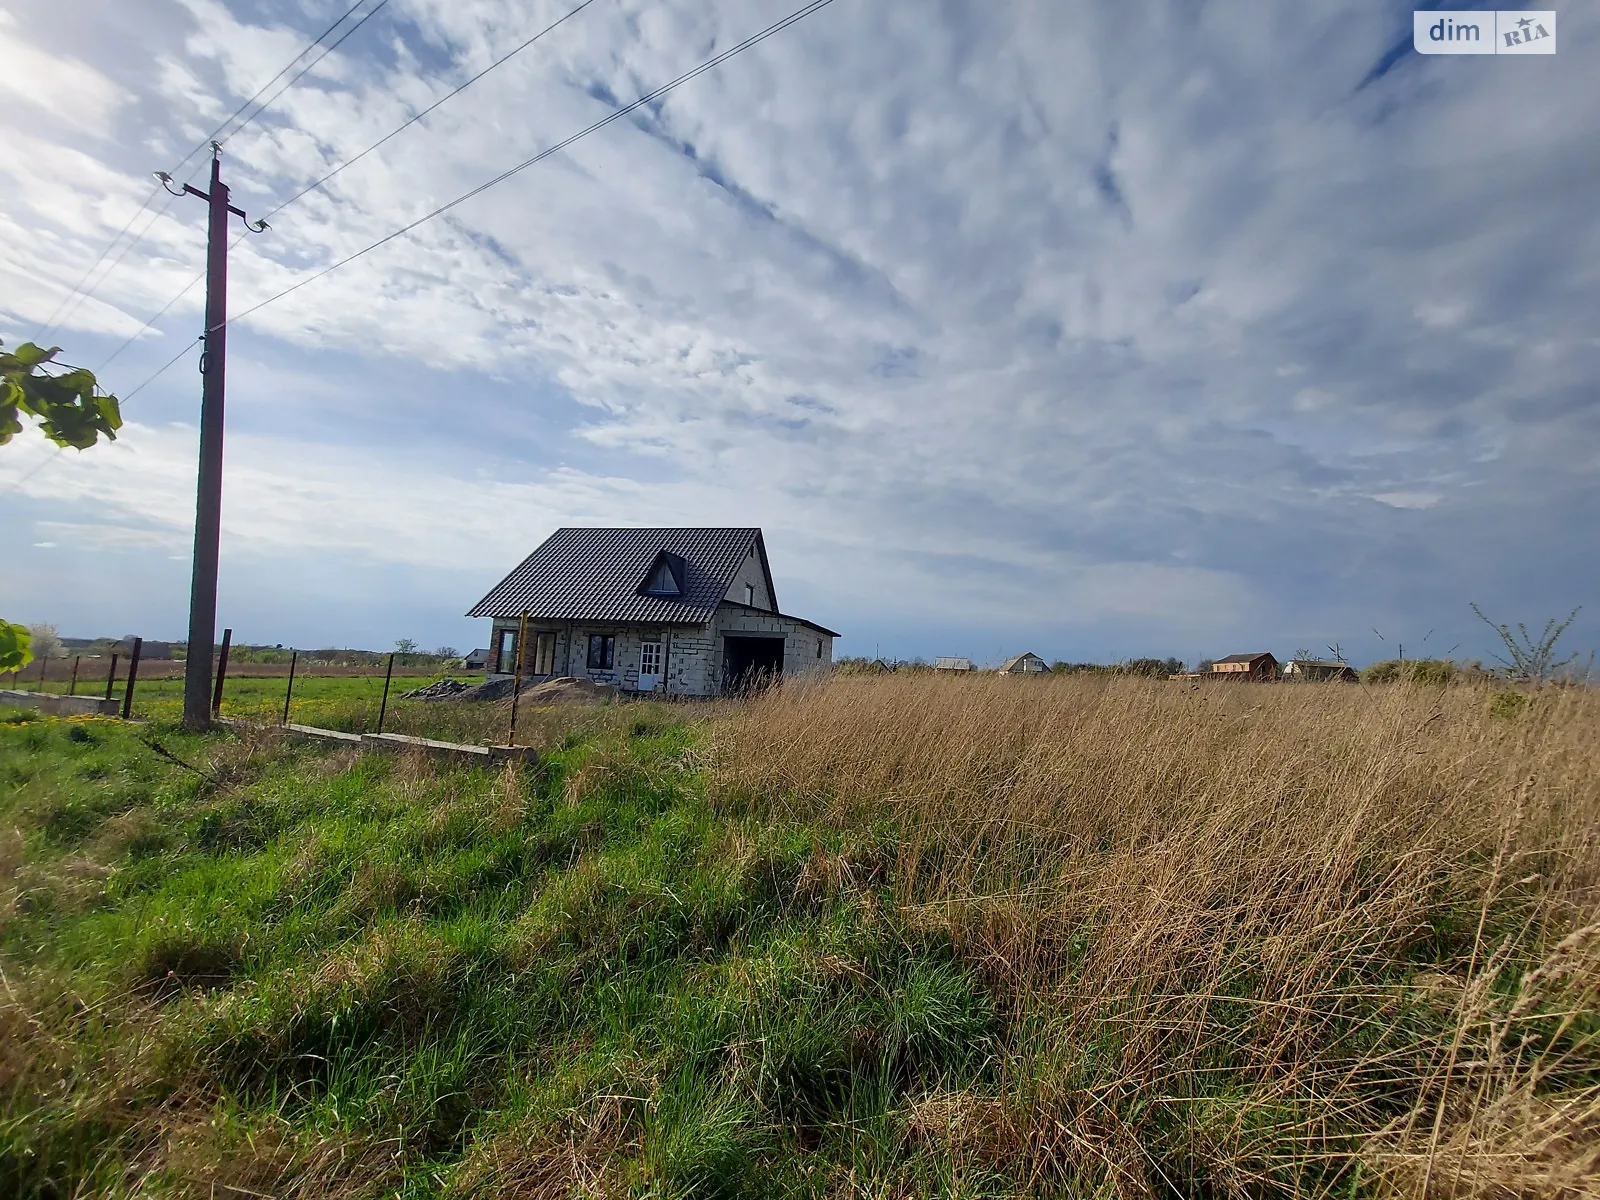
(595, 575)
(1244, 658)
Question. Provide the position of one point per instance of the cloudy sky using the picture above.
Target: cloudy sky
(1097, 329)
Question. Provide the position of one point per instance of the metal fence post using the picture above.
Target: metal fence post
(111, 677)
(133, 677)
(222, 672)
(517, 664)
(73, 690)
(288, 692)
(44, 662)
(384, 707)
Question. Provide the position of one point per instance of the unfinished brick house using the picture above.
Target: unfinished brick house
(681, 612)
(1260, 667)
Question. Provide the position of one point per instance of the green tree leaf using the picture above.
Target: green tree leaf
(69, 406)
(15, 651)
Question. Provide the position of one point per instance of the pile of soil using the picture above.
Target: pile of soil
(489, 689)
(566, 689)
(442, 689)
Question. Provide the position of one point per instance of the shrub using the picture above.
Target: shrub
(1436, 671)
(1508, 704)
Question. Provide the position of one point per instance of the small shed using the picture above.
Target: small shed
(1027, 663)
(1258, 667)
(1308, 670)
(478, 660)
(952, 664)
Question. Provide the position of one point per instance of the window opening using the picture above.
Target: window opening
(544, 654)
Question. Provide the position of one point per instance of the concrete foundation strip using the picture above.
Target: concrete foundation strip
(70, 706)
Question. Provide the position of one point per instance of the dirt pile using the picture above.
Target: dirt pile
(567, 689)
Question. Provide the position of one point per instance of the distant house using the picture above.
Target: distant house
(478, 660)
(1318, 670)
(880, 666)
(684, 612)
(1258, 667)
(952, 664)
(1024, 664)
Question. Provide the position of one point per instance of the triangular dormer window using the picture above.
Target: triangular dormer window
(666, 576)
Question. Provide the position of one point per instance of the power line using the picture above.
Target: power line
(73, 297)
(504, 58)
(77, 303)
(161, 370)
(711, 63)
(311, 187)
(50, 321)
(60, 450)
(299, 75)
(775, 28)
(287, 67)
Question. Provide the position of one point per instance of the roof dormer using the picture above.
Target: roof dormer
(666, 577)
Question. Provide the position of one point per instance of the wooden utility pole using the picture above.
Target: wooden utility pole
(208, 500)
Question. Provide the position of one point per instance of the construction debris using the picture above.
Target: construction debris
(441, 689)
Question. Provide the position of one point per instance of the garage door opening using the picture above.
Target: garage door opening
(749, 663)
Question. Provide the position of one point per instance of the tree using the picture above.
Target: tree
(1532, 661)
(447, 652)
(14, 649)
(45, 642)
(70, 408)
(70, 411)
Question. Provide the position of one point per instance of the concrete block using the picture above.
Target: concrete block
(61, 706)
(323, 735)
(400, 741)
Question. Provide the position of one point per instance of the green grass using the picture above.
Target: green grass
(241, 965)
(348, 703)
(295, 970)
(250, 696)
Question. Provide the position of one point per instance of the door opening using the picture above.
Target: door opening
(750, 663)
(649, 666)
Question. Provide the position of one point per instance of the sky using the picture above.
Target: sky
(1098, 329)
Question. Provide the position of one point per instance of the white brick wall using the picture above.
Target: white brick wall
(800, 642)
(693, 656)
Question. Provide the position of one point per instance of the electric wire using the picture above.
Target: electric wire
(73, 298)
(616, 115)
(711, 63)
(287, 67)
(149, 379)
(299, 75)
(503, 59)
(311, 187)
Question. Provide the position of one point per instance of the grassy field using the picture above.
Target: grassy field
(874, 937)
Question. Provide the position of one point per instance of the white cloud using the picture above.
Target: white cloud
(998, 294)
(55, 85)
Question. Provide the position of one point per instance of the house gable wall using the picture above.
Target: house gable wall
(753, 572)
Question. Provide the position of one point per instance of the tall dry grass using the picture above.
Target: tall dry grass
(1269, 938)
